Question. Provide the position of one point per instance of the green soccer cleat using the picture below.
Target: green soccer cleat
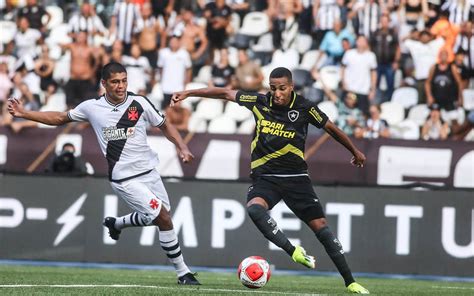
(300, 256)
(357, 289)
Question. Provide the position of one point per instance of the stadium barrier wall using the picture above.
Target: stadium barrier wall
(389, 162)
(382, 230)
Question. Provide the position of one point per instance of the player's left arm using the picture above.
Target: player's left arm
(171, 133)
(358, 158)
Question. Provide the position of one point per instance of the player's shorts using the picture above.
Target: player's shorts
(297, 193)
(144, 194)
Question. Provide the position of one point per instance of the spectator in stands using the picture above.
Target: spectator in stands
(284, 23)
(44, 68)
(326, 14)
(359, 74)
(7, 57)
(443, 28)
(460, 132)
(443, 86)
(117, 53)
(125, 23)
(241, 7)
(34, 13)
(414, 13)
(178, 116)
(86, 20)
(222, 72)
(463, 71)
(174, 63)
(30, 102)
(81, 84)
(459, 11)
(26, 39)
(6, 84)
(384, 43)
(375, 127)
(162, 8)
(68, 163)
(424, 53)
(138, 69)
(365, 17)
(332, 43)
(193, 36)
(25, 74)
(434, 128)
(152, 36)
(350, 119)
(465, 41)
(217, 14)
(248, 74)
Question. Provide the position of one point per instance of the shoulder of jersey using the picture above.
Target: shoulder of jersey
(141, 98)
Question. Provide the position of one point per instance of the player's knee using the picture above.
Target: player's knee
(256, 211)
(318, 224)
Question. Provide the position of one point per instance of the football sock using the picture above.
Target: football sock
(169, 242)
(269, 228)
(130, 220)
(336, 253)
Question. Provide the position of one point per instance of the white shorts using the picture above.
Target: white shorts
(145, 194)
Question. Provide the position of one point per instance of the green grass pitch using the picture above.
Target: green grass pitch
(26, 280)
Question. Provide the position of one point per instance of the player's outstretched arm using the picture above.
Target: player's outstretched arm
(171, 133)
(15, 108)
(209, 92)
(358, 158)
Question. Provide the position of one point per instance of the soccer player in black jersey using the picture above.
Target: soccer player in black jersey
(279, 171)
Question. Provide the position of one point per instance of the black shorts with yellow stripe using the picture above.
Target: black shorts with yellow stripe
(297, 193)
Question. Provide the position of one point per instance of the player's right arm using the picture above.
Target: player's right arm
(15, 108)
(210, 92)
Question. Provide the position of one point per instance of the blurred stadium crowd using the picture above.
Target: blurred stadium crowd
(379, 68)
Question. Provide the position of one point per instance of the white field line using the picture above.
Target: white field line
(453, 288)
(157, 287)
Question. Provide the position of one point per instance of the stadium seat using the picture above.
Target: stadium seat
(264, 43)
(236, 112)
(419, 114)
(263, 57)
(458, 115)
(222, 125)
(407, 130)
(209, 108)
(8, 31)
(62, 67)
(241, 41)
(59, 35)
(204, 75)
(194, 85)
(330, 76)
(301, 78)
(309, 59)
(266, 70)
(468, 96)
(393, 113)
(247, 127)
(57, 16)
(255, 24)
(405, 96)
(156, 95)
(197, 124)
(330, 109)
(303, 43)
(233, 57)
(288, 59)
(235, 22)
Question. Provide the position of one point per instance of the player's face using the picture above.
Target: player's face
(116, 86)
(281, 89)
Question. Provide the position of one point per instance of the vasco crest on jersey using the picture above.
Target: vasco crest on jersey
(293, 115)
(132, 113)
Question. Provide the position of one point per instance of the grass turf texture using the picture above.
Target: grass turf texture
(82, 281)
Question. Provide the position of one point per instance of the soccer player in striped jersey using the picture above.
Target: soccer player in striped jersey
(279, 171)
(119, 119)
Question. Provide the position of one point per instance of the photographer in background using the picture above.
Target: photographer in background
(67, 163)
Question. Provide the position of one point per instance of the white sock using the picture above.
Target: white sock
(130, 220)
(170, 244)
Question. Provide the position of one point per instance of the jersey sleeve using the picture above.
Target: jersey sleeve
(153, 115)
(316, 117)
(247, 99)
(80, 112)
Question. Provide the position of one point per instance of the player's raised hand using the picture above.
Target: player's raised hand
(185, 155)
(177, 97)
(358, 159)
(15, 107)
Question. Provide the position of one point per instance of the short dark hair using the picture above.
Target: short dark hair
(112, 67)
(281, 72)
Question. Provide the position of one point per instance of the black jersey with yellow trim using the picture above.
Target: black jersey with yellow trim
(280, 132)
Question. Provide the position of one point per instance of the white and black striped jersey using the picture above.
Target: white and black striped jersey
(328, 13)
(128, 20)
(459, 11)
(467, 45)
(90, 24)
(121, 133)
(368, 19)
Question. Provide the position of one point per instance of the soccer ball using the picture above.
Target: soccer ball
(254, 272)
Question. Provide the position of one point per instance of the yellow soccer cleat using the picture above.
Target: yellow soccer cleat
(357, 289)
(300, 256)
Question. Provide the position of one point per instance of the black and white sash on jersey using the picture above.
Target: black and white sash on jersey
(115, 147)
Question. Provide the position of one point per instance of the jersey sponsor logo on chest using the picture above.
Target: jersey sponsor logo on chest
(276, 129)
(113, 133)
